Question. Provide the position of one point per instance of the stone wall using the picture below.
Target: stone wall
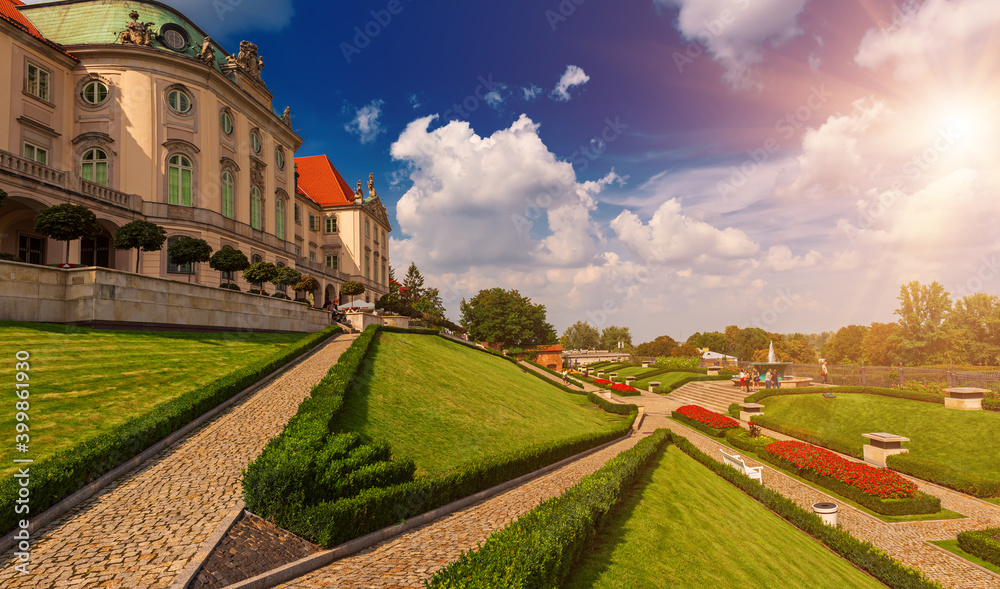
(551, 360)
(101, 297)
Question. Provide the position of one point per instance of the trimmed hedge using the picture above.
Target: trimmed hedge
(863, 555)
(734, 410)
(66, 472)
(616, 408)
(882, 392)
(922, 503)
(982, 543)
(673, 387)
(553, 373)
(741, 439)
(841, 445)
(539, 549)
(944, 475)
(715, 433)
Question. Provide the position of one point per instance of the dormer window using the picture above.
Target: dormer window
(174, 37)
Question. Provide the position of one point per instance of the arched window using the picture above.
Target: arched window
(256, 209)
(254, 259)
(279, 218)
(94, 166)
(179, 175)
(228, 201)
(174, 268)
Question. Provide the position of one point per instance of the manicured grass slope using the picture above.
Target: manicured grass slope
(965, 440)
(85, 382)
(684, 527)
(443, 404)
(666, 379)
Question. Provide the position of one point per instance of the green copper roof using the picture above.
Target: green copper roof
(83, 22)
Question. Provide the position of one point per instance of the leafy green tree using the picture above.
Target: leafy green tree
(141, 236)
(878, 346)
(261, 272)
(229, 260)
(286, 276)
(307, 284)
(846, 346)
(923, 336)
(500, 316)
(430, 303)
(745, 343)
(975, 319)
(580, 336)
(67, 222)
(189, 251)
(663, 345)
(352, 288)
(613, 334)
(413, 285)
(713, 340)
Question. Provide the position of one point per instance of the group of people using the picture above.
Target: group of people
(751, 380)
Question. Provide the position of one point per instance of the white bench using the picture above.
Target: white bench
(736, 462)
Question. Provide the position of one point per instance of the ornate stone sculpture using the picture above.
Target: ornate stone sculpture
(248, 60)
(358, 195)
(137, 33)
(207, 53)
(371, 185)
(287, 117)
(256, 173)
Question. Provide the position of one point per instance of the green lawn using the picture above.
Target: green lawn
(443, 404)
(953, 547)
(685, 527)
(636, 371)
(666, 379)
(966, 440)
(84, 382)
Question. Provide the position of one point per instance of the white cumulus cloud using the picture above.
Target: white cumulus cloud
(365, 123)
(573, 76)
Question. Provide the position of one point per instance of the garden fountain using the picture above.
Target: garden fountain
(773, 364)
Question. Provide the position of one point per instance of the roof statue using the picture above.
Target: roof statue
(287, 117)
(371, 185)
(357, 192)
(207, 53)
(137, 33)
(248, 60)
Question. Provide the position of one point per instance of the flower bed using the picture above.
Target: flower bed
(625, 390)
(878, 489)
(710, 422)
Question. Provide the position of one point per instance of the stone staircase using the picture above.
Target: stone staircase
(714, 396)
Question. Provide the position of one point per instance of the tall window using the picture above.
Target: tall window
(331, 224)
(298, 214)
(38, 82)
(332, 261)
(256, 209)
(313, 222)
(174, 268)
(227, 122)
(279, 218)
(368, 266)
(376, 235)
(383, 237)
(228, 196)
(179, 174)
(36, 154)
(255, 141)
(368, 228)
(94, 166)
(383, 273)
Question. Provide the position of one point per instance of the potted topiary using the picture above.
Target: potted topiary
(258, 274)
(67, 222)
(228, 260)
(189, 251)
(141, 236)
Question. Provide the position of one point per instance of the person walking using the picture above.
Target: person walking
(755, 378)
(743, 379)
(565, 377)
(823, 371)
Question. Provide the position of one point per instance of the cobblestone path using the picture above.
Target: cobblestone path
(411, 558)
(906, 542)
(143, 529)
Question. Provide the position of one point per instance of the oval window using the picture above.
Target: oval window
(179, 101)
(95, 93)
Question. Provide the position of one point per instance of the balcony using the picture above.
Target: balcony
(25, 167)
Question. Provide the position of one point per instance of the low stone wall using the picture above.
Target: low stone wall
(101, 297)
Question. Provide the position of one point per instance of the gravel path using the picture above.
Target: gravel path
(142, 530)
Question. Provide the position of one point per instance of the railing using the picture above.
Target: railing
(20, 165)
(106, 194)
(887, 376)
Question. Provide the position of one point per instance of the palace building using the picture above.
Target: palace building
(130, 109)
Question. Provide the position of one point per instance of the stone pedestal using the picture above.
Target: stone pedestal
(629, 379)
(882, 446)
(600, 373)
(750, 410)
(645, 364)
(965, 398)
(713, 371)
(653, 384)
(612, 375)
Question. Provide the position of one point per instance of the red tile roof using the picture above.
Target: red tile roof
(10, 13)
(321, 182)
(551, 348)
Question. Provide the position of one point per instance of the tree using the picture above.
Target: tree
(580, 336)
(413, 285)
(613, 334)
(228, 260)
(352, 288)
(307, 284)
(3, 198)
(878, 347)
(663, 345)
(67, 222)
(189, 250)
(923, 336)
(259, 273)
(505, 317)
(846, 346)
(430, 303)
(713, 340)
(141, 236)
(796, 348)
(285, 277)
(745, 343)
(975, 319)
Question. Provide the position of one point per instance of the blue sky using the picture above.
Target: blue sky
(668, 165)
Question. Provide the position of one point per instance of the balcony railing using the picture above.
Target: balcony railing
(33, 169)
(96, 191)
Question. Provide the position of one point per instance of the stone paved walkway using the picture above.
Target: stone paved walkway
(411, 558)
(142, 530)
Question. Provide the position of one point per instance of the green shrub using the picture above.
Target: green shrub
(715, 433)
(982, 543)
(539, 549)
(944, 475)
(734, 410)
(921, 503)
(741, 439)
(617, 408)
(678, 363)
(67, 471)
(991, 404)
(280, 295)
(230, 286)
(684, 381)
(862, 554)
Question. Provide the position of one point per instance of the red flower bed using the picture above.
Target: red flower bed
(709, 418)
(623, 388)
(601, 381)
(877, 482)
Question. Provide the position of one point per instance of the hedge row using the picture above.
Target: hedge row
(921, 503)
(558, 375)
(862, 554)
(715, 433)
(734, 410)
(882, 392)
(741, 439)
(616, 408)
(944, 475)
(539, 549)
(982, 543)
(66, 472)
(333, 522)
(841, 445)
(673, 387)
